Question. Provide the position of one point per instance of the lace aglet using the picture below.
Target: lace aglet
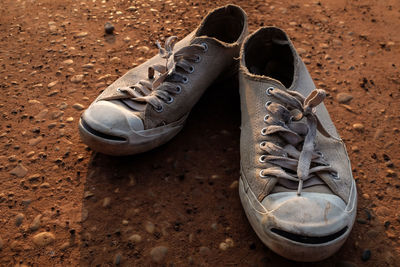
(300, 187)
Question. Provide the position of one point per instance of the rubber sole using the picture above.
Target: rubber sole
(130, 146)
(283, 246)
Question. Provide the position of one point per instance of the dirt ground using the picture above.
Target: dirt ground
(63, 205)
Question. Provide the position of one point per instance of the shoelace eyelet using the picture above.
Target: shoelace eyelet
(262, 175)
(185, 80)
(262, 144)
(336, 176)
(198, 59)
(267, 104)
(170, 100)
(178, 89)
(266, 117)
(191, 69)
(264, 131)
(159, 108)
(205, 46)
(262, 159)
(269, 89)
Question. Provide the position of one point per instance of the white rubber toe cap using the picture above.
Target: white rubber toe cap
(111, 119)
(310, 214)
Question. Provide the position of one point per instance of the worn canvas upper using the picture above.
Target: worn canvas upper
(222, 49)
(253, 87)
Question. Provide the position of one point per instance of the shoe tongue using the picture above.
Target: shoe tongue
(294, 185)
(129, 104)
(314, 184)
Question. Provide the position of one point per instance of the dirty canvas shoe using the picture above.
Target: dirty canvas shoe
(296, 184)
(149, 104)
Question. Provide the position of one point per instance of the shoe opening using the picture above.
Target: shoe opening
(268, 53)
(225, 24)
(100, 134)
(309, 239)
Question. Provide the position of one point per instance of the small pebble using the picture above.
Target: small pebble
(19, 171)
(135, 238)
(52, 84)
(143, 49)
(65, 245)
(69, 119)
(43, 239)
(106, 202)
(223, 246)
(344, 98)
(35, 141)
(158, 253)
(229, 242)
(78, 106)
(81, 34)
(115, 60)
(358, 127)
(68, 62)
(234, 185)
(109, 28)
(35, 223)
(88, 66)
(149, 226)
(19, 218)
(366, 255)
(77, 78)
(117, 259)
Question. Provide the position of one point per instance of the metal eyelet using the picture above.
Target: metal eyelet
(178, 89)
(191, 69)
(198, 59)
(262, 144)
(269, 89)
(205, 46)
(262, 159)
(185, 79)
(119, 90)
(264, 131)
(170, 100)
(262, 175)
(267, 104)
(266, 117)
(159, 108)
(336, 176)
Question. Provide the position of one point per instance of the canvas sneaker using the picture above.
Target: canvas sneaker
(148, 105)
(296, 184)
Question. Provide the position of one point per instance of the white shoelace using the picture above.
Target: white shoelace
(289, 162)
(157, 90)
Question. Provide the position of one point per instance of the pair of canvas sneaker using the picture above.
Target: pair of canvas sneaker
(296, 184)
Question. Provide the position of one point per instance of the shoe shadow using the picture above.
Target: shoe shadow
(182, 195)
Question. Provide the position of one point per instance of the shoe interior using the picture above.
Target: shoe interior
(268, 53)
(225, 24)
